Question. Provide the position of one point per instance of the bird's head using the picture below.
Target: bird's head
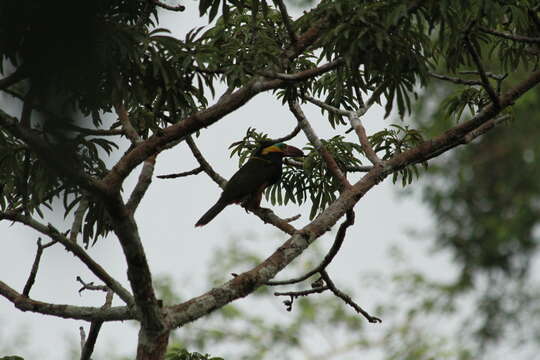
(280, 148)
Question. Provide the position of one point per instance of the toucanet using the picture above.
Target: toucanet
(247, 185)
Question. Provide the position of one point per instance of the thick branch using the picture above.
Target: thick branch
(23, 303)
(319, 146)
(145, 179)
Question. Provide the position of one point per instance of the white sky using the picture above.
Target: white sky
(175, 248)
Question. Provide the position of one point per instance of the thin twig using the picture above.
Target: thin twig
(286, 20)
(455, 80)
(91, 286)
(35, 266)
(302, 292)
(340, 237)
(505, 35)
(317, 143)
(207, 168)
(289, 136)
(485, 80)
(347, 299)
(195, 171)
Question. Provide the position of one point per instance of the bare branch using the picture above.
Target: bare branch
(128, 128)
(207, 168)
(485, 80)
(314, 139)
(23, 303)
(35, 266)
(90, 286)
(195, 171)
(169, 7)
(305, 74)
(95, 327)
(505, 35)
(347, 299)
(289, 136)
(77, 221)
(455, 80)
(145, 179)
(326, 106)
(299, 293)
(340, 237)
(364, 141)
(73, 248)
(286, 20)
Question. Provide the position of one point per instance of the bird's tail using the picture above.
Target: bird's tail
(211, 213)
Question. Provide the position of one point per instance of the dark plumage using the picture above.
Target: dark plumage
(246, 186)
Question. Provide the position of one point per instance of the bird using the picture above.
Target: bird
(247, 185)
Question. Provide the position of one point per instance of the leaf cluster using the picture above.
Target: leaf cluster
(313, 181)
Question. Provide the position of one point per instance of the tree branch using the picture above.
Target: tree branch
(340, 237)
(485, 80)
(77, 221)
(319, 146)
(35, 266)
(72, 247)
(454, 80)
(505, 35)
(356, 124)
(206, 167)
(23, 303)
(286, 20)
(195, 171)
(289, 136)
(347, 299)
(128, 128)
(95, 327)
(169, 7)
(145, 179)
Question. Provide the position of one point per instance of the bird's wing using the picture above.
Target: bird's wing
(249, 179)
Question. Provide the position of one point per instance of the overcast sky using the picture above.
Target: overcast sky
(175, 248)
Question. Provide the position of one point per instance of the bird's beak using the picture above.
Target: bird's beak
(293, 151)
